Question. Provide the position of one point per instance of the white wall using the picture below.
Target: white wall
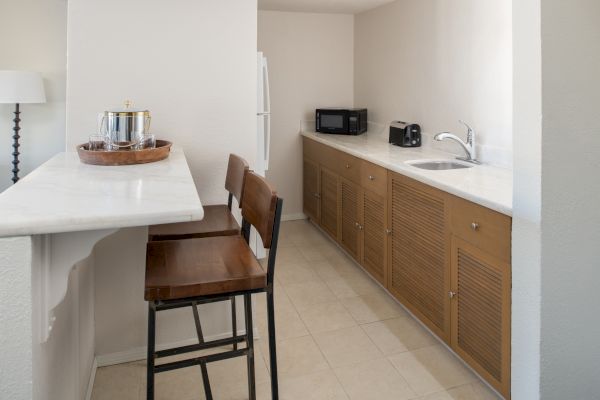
(556, 218)
(33, 36)
(15, 322)
(192, 63)
(310, 60)
(527, 200)
(436, 61)
(63, 364)
(60, 367)
(570, 328)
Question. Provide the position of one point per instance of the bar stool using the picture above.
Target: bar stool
(185, 273)
(218, 219)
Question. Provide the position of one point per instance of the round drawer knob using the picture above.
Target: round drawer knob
(371, 177)
(474, 226)
(347, 166)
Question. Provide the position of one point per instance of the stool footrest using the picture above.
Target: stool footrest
(200, 360)
(172, 304)
(200, 346)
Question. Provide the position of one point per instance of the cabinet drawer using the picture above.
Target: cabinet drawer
(348, 166)
(312, 150)
(373, 178)
(488, 230)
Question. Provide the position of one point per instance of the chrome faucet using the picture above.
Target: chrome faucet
(469, 146)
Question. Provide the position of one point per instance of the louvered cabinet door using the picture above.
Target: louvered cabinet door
(374, 237)
(481, 312)
(419, 270)
(310, 178)
(350, 226)
(329, 201)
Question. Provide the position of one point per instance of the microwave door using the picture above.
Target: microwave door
(333, 121)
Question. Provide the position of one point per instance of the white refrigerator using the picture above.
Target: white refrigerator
(263, 132)
(263, 115)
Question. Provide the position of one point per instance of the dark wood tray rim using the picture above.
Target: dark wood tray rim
(124, 157)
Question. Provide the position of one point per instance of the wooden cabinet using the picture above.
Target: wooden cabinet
(329, 212)
(486, 229)
(350, 230)
(374, 234)
(374, 178)
(481, 291)
(419, 270)
(445, 258)
(311, 189)
(348, 166)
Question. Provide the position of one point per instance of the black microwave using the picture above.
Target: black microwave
(343, 121)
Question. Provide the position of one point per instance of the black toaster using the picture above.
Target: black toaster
(405, 135)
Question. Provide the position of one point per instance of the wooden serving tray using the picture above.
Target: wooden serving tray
(124, 157)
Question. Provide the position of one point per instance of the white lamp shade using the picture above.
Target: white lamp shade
(21, 87)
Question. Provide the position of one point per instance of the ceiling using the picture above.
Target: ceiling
(321, 6)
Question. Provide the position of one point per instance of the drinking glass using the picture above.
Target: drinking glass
(148, 142)
(98, 143)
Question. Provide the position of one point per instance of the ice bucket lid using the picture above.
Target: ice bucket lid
(127, 110)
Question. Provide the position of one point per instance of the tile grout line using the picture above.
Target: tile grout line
(353, 318)
(307, 330)
(311, 335)
(319, 347)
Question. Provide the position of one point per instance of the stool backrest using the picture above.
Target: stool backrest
(237, 168)
(262, 210)
(258, 209)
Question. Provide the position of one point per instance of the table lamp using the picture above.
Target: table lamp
(19, 87)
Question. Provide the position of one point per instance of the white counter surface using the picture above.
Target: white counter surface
(65, 195)
(483, 184)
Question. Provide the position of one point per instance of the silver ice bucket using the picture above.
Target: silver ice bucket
(126, 127)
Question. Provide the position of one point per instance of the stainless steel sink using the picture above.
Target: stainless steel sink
(439, 165)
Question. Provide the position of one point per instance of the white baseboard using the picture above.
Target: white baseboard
(139, 353)
(293, 217)
(88, 394)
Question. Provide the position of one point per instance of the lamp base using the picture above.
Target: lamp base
(15, 145)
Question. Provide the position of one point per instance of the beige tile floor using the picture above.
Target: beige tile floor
(340, 336)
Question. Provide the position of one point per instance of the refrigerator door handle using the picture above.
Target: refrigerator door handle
(267, 140)
(267, 88)
(267, 113)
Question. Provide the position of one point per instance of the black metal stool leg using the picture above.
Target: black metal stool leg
(272, 344)
(250, 345)
(203, 368)
(150, 355)
(233, 321)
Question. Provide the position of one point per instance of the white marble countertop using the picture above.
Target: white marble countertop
(483, 184)
(65, 195)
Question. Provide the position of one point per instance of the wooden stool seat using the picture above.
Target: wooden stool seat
(201, 267)
(217, 221)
